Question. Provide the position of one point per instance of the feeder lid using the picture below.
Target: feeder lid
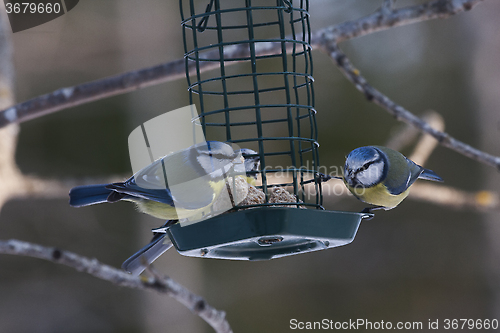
(265, 233)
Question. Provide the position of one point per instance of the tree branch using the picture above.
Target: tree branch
(388, 5)
(95, 90)
(384, 19)
(455, 198)
(164, 285)
(426, 145)
(400, 113)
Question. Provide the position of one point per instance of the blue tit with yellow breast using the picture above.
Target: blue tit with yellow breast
(209, 161)
(197, 173)
(161, 243)
(381, 176)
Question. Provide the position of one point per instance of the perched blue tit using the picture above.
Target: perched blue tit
(160, 242)
(381, 176)
(150, 191)
(208, 161)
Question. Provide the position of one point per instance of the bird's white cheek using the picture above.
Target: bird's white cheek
(364, 178)
(370, 176)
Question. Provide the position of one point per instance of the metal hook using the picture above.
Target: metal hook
(204, 21)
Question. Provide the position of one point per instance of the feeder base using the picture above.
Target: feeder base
(265, 233)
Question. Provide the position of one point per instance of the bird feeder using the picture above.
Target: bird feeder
(259, 94)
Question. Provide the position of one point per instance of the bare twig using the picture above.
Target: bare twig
(8, 135)
(427, 143)
(435, 194)
(384, 19)
(388, 5)
(123, 83)
(407, 134)
(400, 113)
(165, 285)
(29, 186)
(454, 198)
(92, 91)
(440, 194)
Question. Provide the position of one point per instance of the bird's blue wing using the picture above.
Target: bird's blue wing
(131, 188)
(415, 171)
(191, 198)
(149, 184)
(402, 172)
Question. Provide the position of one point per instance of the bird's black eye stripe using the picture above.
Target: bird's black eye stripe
(220, 156)
(251, 157)
(364, 167)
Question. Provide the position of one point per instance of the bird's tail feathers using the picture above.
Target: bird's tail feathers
(430, 175)
(88, 195)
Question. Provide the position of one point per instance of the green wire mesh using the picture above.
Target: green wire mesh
(264, 100)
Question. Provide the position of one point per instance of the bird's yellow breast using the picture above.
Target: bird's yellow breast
(167, 212)
(378, 195)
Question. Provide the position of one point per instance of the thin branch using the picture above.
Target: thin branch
(407, 134)
(130, 81)
(123, 83)
(427, 143)
(388, 5)
(384, 19)
(455, 198)
(164, 285)
(8, 135)
(26, 186)
(400, 113)
(436, 194)
(91, 91)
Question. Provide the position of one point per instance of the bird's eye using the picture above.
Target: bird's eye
(364, 167)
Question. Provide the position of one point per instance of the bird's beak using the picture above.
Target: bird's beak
(349, 177)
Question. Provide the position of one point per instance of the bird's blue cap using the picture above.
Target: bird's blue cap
(361, 155)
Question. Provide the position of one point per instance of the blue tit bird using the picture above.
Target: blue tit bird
(381, 176)
(160, 243)
(206, 162)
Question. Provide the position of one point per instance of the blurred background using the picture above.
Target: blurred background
(417, 262)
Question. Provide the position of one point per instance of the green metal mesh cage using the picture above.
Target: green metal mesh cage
(264, 100)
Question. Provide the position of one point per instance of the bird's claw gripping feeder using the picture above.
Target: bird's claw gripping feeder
(263, 101)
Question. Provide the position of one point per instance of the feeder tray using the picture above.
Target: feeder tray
(265, 233)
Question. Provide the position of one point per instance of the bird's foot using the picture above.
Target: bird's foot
(369, 210)
(163, 228)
